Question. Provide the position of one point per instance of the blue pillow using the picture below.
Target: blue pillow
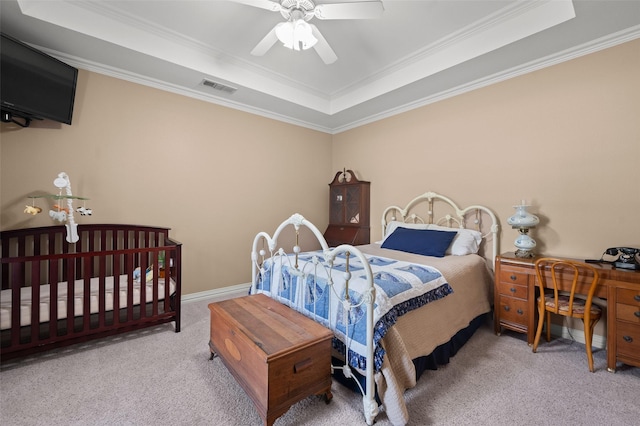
(427, 242)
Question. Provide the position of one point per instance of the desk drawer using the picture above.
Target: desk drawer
(628, 339)
(513, 277)
(628, 296)
(513, 310)
(513, 290)
(628, 313)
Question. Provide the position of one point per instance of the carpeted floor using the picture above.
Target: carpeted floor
(158, 377)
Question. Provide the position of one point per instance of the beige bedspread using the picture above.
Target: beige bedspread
(419, 332)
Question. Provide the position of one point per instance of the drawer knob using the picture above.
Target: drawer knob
(512, 290)
(507, 308)
(637, 314)
(520, 312)
(513, 277)
(637, 297)
(627, 339)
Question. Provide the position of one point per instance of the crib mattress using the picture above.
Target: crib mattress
(26, 304)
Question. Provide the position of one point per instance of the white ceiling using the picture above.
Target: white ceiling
(417, 53)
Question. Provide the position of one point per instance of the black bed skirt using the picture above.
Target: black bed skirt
(440, 356)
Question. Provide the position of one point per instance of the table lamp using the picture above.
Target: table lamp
(522, 220)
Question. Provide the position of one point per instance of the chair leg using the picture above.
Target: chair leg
(536, 340)
(548, 326)
(588, 337)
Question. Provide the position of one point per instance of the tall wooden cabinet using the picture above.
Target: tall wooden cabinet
(348, 210)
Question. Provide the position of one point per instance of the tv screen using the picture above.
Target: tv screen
(34, 84)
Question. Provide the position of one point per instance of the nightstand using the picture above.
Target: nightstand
(514, 306)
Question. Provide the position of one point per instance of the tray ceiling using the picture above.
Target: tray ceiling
(417, 53)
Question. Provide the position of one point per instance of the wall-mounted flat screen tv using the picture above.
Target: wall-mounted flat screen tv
(34, 85)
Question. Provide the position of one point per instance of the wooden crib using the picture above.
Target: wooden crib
(116, 278)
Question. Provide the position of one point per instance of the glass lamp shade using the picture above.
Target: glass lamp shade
(522, 218)
(296, 34)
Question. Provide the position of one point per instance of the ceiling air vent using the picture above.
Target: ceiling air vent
(218, 86)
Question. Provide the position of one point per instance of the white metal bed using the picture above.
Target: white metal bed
(338, 268)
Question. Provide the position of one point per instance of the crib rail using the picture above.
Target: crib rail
(41, 262)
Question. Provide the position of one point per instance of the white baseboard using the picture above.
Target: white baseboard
(240, 290)
(223, 293)
(598, 341)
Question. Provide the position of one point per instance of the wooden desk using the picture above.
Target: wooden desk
(515, 305)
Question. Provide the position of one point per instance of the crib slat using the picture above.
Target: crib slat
(102, 293)
(35, 300)
(51, 242)
(116, 289)
(15, 314)
(53, 296)
(155, 283)
(86, 299)
(130, 267)
(4, 274)
(36, 245)
(71, 278)
(18, 271)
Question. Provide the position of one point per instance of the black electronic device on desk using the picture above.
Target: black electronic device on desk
(620, 257)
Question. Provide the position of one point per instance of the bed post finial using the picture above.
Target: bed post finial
(296, 220)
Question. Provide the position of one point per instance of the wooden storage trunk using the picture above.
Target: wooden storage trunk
(276, 354)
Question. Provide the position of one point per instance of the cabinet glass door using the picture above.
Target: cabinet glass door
(352, 206)
(337, 205)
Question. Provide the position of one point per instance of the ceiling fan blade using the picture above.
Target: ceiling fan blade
(262, 4)
(354, 10)
(266, 43)
(323, 49)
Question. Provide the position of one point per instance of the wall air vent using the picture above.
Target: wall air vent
(219, 86)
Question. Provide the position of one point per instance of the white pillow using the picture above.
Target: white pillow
(391, 226)
(466, 242)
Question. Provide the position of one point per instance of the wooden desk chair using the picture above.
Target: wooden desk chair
(554, 277)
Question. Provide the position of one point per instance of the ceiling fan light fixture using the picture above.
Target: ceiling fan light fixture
(296, 34)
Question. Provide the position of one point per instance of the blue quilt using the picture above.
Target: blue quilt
(400, 287)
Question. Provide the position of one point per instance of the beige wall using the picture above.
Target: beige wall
(216, 176)
(566, 138)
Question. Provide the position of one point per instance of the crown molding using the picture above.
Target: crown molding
(566, 55)
(606, 42)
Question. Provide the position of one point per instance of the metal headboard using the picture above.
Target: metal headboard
(476, 217)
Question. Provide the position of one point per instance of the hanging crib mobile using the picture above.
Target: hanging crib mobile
(63, 210)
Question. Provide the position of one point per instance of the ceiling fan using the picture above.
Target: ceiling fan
(297, 33)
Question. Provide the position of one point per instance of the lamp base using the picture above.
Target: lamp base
(526, 254)
(524, 244)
